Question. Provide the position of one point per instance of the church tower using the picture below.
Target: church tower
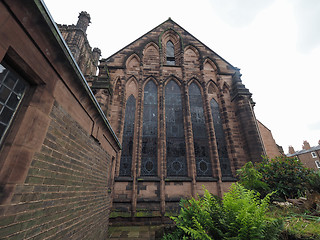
(184, 118)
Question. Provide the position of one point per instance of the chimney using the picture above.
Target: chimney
(83, 21)
(319, 142)
(306, 145)
(291, 150)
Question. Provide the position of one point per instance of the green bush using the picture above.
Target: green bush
(251, 179)
(285, 175)
(241, 215)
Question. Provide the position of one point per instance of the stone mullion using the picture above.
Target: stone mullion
(139, 128)
(214, 156)
(162, 147)
(189, 139)
(137, 156)
(120, 124)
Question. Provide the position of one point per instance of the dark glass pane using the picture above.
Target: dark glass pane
(1, 106)
(6, 115)
(149, 130)
(170, 53)
(2, 129)
(200, 137)
(19, 88)
(4, 94)
(176, 146)
(13, 101)
(127, 139)
(10, 81)
(220, 138)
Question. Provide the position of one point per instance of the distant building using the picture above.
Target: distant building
(310, 156)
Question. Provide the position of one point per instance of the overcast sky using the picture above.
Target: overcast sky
(275, 43)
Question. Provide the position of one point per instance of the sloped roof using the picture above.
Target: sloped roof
(312, 149)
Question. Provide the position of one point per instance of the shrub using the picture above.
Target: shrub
(285, 175)
(240, 215)
(251, 179)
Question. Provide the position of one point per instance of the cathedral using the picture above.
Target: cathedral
(183, 116)
(164, 118)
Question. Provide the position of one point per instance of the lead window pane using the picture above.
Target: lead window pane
(10, 97)
(127, 139)
(200, 137)
(175, 140)
(150, 131)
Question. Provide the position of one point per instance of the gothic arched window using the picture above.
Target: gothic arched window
(176, 146)
(170, 53)
(200, 137)
(149, 130)
(220, 138)
(127, 139)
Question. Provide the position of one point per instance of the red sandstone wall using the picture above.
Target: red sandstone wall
(56, 160)
(269, 143)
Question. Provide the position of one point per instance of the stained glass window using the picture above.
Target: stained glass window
(170, 53)
(176, 146)
(149, 130)
(12, 90)
(127, 139)
(200, 137)
(220, 138)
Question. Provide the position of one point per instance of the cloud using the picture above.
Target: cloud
(308, 19)
(239, 13)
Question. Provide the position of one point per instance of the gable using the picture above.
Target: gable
(183, 41)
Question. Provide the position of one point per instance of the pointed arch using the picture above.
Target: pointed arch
(174, 78)
(132, 87)
(149, 130)
(200, 134)
(225, 88)
(133, 64)
(209, 70)
(151, 57)
(127, 137)
(213, 90)
(175, 138)
(150, 78)
(174, 37)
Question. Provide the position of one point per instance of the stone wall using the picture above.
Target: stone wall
(57, 153)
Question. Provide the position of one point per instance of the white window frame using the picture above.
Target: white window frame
(314, 155)
(317, 162)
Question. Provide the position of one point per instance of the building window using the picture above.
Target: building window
(12, 90)
(149, 130)
(220, 138)
(175, 141)
(317, 163)
(127, 138)
(170, 53)
(314, 155)
(200, 137)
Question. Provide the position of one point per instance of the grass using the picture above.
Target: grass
(297, 224)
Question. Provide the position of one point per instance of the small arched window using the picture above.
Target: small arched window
(170, 53)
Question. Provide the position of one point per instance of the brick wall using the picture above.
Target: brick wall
(65, 194)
